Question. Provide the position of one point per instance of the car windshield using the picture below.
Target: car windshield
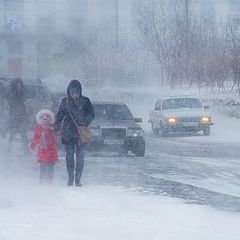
(37, 92)
(111, 111)
(176, 103)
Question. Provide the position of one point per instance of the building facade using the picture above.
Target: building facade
(38, 35)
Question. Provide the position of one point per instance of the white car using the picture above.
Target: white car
(180, 114)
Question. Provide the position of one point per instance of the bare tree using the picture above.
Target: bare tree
(234, 47)
(198, 59)
(163, 36)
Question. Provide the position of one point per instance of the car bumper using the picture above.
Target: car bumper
(109, 144)
(187, 127)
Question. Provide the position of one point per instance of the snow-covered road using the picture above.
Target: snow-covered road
(186, 187)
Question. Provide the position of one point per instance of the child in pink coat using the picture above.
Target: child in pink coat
(45, 140)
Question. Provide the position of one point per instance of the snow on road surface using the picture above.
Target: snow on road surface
(95, 211)
(92, 212)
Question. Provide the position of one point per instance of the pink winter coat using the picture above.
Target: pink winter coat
(45, 138)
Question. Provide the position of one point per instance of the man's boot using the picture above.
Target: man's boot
(70, 177)
(77, 180)
(70, 182)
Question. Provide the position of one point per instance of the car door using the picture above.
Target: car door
(157, 114)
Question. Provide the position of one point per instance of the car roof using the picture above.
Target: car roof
(107, 103)
(33, 82)
(178, 96)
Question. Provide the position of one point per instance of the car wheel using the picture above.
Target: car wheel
(155, 131)
(206, 131)
(163, 131)
(123, 151)
(140, 151)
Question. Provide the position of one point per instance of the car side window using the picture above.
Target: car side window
(158, 105)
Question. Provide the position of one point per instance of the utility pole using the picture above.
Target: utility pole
(187, 25)
(115, 51)
(187, 29)
(117, 22)
(187, 16)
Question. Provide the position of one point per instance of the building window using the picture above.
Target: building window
(76, 25)
(46, 24)
(15, 47)
(15, 67)
(44, 48)
(13, 6)
(13, 18)
(43, 67)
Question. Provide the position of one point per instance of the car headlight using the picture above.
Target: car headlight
(135, 133)
(171, 120)
(205, 119)
(95, 131)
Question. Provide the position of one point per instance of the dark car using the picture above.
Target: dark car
(37, 97)
(115, 129)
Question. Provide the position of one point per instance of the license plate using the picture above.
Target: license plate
(190, 124)
(114, 141)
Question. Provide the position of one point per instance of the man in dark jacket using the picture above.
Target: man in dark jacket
(75, 109)
(17, 111)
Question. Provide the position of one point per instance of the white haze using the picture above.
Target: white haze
(88, 40)
(95, 211)
(29, 211)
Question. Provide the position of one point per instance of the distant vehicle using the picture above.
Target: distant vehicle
(34, 88)
(37, 95)
(115, 129)
(180, 114)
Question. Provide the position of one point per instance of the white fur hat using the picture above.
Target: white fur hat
(42, 112)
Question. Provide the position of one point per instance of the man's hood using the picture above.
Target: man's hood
(74, 84)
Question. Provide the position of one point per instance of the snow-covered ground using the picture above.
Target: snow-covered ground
(32, 211)
(29, 211)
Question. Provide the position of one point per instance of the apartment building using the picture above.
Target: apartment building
(28, 37)
(35, 34)
(11, 39)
